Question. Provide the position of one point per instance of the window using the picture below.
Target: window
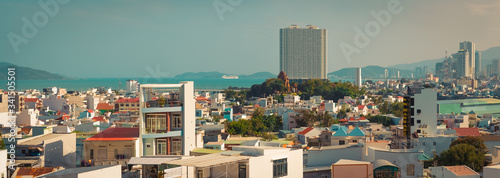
(423, 143)
(418, 131)
(418, 121)
(177, 121)
(434, 143)
(156, 122)
(341, 142)
(199, 173)
(162, 147)
(121, 105)
(324, 176)
(419, 111)
(176, 146)
(91, 153)
(127, 105)
(23, 151)
(410, 169)
(354, 141)
(280, 168)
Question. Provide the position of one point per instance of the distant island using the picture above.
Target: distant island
(369, 72)
(26, 73)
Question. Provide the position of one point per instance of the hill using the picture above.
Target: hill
(26, 73)
(369, 72)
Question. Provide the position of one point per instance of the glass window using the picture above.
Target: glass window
(162, 147)
(177, 121)
(176, 146)
(155, 122)
(280, 168)
(91, 153)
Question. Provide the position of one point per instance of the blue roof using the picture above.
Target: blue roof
(357, 132)
(340, 133)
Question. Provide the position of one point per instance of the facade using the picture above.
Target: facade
(478, 63)
(424, 111)
(470, 48)
(132, 86)
(351, 168)
(252, 161)
(130, 105)
(113, 145)
(462, 64)
(51, 150)
(86, 172)
(358, 77)
(303, 52)
(167, 119)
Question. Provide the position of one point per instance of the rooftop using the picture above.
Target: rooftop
(461, 170)
(116, 134)
(67, 172)
(38, 140)
(349, 162)
(207, 160)
(25, 171)
(463, 132)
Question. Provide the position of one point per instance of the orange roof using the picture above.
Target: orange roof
(361, 106)
(362, 118)
(29, 100)
(116, 134)
(104, 106)
(461, 170)
(90, 111)
(352, 119)
(99, 118)
(126, 100)
(343, 120)
(201, 98)
(305, 131)
(463, 132)
(24, 171)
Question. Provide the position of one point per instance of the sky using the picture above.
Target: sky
(125, 38)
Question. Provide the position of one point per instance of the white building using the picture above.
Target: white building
(303, 52)
(358, 81)
(491, 171)
(470, 47)
(252, 161)
(132, 86)
(86, 172)
(28, 117)
(167, 119)
(424, 109)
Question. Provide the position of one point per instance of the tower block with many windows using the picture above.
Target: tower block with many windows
(166, 119)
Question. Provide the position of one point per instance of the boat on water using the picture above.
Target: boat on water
(230, 77)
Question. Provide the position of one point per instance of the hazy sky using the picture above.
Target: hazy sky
(122, 38)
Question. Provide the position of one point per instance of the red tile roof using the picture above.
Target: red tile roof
(463, 132)
(352, 119)
(305, 131)
(104, 106)
(361, 107)
(90, 111)
(29, 100)
(343, 120)
(461, 170)
(201, 98)
(116, 134)
(99, 118)
(126, 100)
(362, 118)
(24, 171)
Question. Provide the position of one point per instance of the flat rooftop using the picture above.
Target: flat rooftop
(38, 140)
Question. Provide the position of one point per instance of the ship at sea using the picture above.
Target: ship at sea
(230, 77)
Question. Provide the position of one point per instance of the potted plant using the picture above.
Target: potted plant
(161, 101)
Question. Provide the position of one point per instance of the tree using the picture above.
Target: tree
(268, 136)
(462, 154)
(326, 120)
(2, 144)
(258, 112)
(477, 142)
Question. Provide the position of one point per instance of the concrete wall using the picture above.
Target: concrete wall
(61, 151)
(327, 157)
(442, 144)
(3, 163)
(491, 171)
(356, 170)
(122, 147)
(400, 158)
(262, 166)
(189, 118)
(27, 117)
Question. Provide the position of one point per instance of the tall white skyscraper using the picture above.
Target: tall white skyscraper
(462, 65)
(358, 77)
(471, 49)
(478, 63)
(303, 52)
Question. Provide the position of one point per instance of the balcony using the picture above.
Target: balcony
(122, 162)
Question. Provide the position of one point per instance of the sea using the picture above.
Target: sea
(120, 83)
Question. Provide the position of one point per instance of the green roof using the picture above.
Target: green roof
(340, 133)
(357, 132)
(423, 157)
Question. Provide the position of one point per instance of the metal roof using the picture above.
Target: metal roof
(208, 160)
(151, 160)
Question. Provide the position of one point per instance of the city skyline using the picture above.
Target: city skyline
(164, 34)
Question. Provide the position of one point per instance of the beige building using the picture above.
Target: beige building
(112, 146)
(51, 150)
